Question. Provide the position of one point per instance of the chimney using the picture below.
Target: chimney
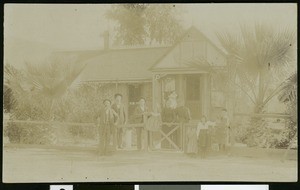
(106, 40)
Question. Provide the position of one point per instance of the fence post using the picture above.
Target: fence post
(183, 137)
(145, 133)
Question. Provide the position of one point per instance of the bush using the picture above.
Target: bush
(30, 134)
(258, 133)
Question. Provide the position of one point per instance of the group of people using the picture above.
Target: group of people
(199, 139)
(113, 115)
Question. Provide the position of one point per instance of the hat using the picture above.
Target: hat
(118, 94)
(106, 100)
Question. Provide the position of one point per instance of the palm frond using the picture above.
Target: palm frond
(289, 89)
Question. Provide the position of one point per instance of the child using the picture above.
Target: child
(203, 135)
(192, 147)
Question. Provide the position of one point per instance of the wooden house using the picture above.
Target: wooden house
(152, 72)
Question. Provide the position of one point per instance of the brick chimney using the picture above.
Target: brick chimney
(106, 40)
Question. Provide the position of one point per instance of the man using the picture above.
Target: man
(119, 108)
(140, 112)
(106, 121)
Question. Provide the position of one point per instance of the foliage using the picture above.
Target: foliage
(84, 103)
(29, 134)
(264, 136)
(139, 24)
(262, 57)
(7, 94)
(36, 89)
(36, 93)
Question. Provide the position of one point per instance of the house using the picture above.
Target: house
(186, 67)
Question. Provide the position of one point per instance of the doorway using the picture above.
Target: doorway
(134, 94)
(193, 95)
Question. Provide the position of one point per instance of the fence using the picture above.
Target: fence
(59, 134)
(171, 136)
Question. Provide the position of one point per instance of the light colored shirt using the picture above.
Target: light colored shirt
(205, 125)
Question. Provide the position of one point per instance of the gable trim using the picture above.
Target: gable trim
(180, 39)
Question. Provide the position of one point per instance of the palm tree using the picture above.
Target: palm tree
(43, 84)
(260, 56)
(288, 95)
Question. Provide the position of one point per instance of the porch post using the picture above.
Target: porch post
(205, 95)
(155, 101)
(155, 92)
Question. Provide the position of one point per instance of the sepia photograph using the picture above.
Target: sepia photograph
(150, 93)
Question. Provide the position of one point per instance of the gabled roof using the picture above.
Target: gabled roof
(192, 31)
(130, 64)
(127, 64)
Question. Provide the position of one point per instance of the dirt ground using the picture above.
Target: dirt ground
(50, 165)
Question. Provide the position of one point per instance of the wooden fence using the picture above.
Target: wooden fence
(165, 136)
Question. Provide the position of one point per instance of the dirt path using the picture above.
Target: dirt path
(40, 165)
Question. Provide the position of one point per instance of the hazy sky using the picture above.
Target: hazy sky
(80, 26)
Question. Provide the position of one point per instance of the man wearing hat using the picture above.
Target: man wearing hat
(107, 119)
(119, 108)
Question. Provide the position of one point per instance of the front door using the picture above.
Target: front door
(134, 95)
(193, 95)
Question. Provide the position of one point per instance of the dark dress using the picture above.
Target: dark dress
(204, 138)
(168, 116)
(192, 145)
(183, 116)
(106, 119)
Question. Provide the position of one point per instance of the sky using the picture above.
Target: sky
(80, 26)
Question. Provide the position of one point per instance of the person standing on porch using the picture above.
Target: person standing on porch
(106, 122)
(119, 108)
(140, 112)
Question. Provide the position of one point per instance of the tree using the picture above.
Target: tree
(288, 95)
(40, 86)
(259, 59)
(139, 24)
(261, 56)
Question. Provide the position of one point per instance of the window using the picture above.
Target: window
(134, 93)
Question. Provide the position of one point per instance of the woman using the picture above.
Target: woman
(221, 130)
(204, 136)
(153, 126)
(106, 121)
